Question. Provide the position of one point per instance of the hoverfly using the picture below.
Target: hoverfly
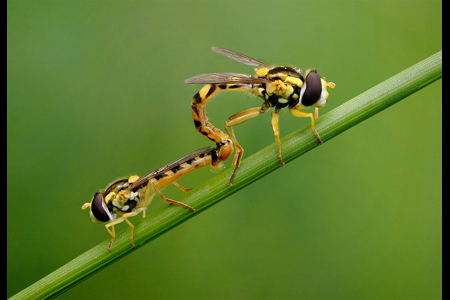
(129, 196)
(279, 87)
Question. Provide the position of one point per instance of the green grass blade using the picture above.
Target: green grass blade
(254, 167)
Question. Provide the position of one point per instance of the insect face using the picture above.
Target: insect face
(99, 212)
(312, 89)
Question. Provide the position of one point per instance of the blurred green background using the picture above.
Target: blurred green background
(96, 92)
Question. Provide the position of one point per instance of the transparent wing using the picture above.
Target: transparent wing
(244, 59)
(224, 78)
(169, 166)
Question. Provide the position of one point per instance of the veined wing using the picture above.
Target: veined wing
(146, 178)
(224, 78)
(244, 59)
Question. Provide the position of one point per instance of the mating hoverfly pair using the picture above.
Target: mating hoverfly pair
(279, 87)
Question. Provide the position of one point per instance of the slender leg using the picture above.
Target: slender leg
(235, 120)
(238, 119)
(180, 187)
(237, 155)
(276, 132)
(131, 225)
(112, 233)
(301, 114)
(170, 200)
(120, 220)
(239, 149)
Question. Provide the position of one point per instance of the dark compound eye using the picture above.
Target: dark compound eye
(313, 88)
(98, 208)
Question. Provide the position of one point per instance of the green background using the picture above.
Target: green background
(96, 92)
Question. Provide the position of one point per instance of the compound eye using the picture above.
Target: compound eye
(99, 209)
(313, 88)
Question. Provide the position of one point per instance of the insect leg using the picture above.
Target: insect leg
(276, 132)
(235, 120)
(170, 200)
(132, 214)
(112, 233)
(120, 220)
(301, 114)
(238, 119)
(237, 156)
(180, 187)
(239, 149)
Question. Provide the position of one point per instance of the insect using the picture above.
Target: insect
(279, 87)
(129, 196)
